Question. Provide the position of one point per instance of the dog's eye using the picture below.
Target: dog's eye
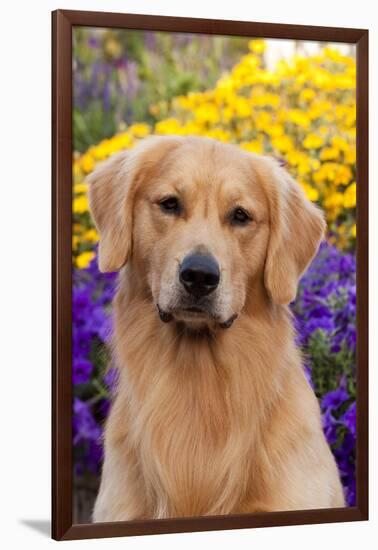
(170, 205)
(240, 217)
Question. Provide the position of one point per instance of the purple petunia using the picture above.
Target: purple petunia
(82, 369)
(325, 321)
(85, 428)
(330, 427)
(333, 399)
(349, 418)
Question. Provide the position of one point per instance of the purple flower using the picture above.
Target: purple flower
(85, 428)
(329, 427)
(325, 321)
(82, 369)
(106, 96)
(93, 41)
(349, 418)
(81, 342)
(350, 491)
(94, 456)
(333, 399)
(105, 331)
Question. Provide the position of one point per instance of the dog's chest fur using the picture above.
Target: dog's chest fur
(194, 410)
(188, 444)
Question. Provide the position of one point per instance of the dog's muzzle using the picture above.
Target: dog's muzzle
(199, 276)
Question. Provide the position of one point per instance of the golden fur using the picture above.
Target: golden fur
(207, 420)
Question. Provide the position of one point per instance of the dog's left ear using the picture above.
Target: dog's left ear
(111, 208)
(297, 227)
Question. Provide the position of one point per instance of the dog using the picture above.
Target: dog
(213, 413)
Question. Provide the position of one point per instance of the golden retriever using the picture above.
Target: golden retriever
(213, 413)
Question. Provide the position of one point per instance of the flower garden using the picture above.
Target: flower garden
(303, 112)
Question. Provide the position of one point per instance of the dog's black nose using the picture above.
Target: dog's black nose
(199, 274)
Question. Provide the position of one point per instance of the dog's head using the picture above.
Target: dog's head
(203, 224)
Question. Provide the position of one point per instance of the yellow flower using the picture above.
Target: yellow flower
(303, 109)
(343, 175)
(323, 130)
(294, 157)
(313, 141)
(257, 46)
(332, 53)
(80, 204)
(91, 235)
(80, 188)
(307, 94)
(119, 142)
(350, 196)
(329, 153)
(263, 121)
(334, 200)
(208, 113)
(350, 156)
(353, 230)
(216, 133)
(266, 99)
(87, 163)
(102, 151)
(242, 107)
(283, 143)
(314, 164)
(76, 168)
(274, 130)
(254, 146)
(139, 130)
(84, 259)
(304, 167)
(340, 143)
(311, 193)
(168, 126)
(298, 117)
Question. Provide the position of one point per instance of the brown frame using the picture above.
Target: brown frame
(62, 23)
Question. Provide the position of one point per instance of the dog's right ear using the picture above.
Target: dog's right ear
(112, 187)
(111, 208)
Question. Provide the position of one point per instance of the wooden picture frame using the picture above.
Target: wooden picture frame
(62, 24)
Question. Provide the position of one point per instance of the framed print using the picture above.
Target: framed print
(210, 254)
